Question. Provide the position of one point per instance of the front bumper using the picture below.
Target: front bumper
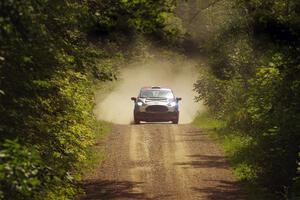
(153, 116)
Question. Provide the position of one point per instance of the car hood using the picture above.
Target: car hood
(156, 101)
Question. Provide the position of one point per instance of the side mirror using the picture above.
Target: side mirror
(133, 98)
(178, 98)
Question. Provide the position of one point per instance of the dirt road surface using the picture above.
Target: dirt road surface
(161, 161)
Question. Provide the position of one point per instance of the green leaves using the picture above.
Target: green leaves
(144, 16)
(20, 171)
(258, 57)
(45, 98)
(49, 61)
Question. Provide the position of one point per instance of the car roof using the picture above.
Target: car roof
(155, 88)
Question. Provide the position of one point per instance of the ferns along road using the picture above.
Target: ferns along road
(161, 161)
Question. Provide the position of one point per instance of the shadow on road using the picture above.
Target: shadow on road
(108, 189)
(205, 161)
(226, 190)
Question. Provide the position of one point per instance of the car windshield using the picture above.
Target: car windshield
(156, 94)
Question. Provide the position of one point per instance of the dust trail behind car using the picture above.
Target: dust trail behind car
(178, 75)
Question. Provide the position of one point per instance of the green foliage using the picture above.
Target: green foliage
(96, 155)
(146, 16)
(258, 57)
(210, 90)
(206, 121)
(240, 150)
(20, 171)
(47, 70)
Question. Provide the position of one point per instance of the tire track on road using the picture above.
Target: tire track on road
(161, 162)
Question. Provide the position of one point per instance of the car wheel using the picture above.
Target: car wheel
(136, 121)
(175, 121)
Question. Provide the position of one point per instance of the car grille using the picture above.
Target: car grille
(157, 108)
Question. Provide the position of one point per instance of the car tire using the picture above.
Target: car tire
(136, 121)
(175, 121)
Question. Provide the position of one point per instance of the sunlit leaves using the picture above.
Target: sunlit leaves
(20, 169)
(138, 15)
(47, 68)
(44, 98)
(258, 57)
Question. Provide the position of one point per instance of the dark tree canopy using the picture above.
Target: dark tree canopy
(48, 66)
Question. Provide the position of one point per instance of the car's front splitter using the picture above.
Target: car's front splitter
(151, 116)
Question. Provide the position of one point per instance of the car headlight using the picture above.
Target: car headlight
(139, 103)
(172, 104)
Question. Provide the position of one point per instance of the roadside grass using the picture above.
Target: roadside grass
(95, 154)
(239, 150)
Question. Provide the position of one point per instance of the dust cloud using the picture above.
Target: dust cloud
(180, 76)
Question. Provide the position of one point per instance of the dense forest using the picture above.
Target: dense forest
(253, 83)
(53, 53)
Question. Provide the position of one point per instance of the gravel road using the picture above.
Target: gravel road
(161, 161)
